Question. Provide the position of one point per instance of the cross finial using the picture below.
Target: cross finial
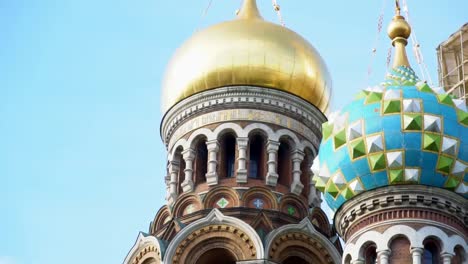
(397, 7)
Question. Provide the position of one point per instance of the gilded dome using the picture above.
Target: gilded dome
(247, 51)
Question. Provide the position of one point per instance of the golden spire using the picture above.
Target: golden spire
(399, 30)
(249, 10)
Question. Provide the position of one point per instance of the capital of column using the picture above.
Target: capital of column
(446, 258)
(242, 142)
(416, 252)
(383, 256)
(357, 261)
(297, 155)
(272, 145)
(188, 154)
(212, 145)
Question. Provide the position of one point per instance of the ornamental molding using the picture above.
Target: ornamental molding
(146, 246)
(214, 221)
(400, 197)
(241, 97)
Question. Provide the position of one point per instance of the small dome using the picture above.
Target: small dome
(401, 132)
(247, 51)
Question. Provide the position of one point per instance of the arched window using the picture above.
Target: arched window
(217, 256)
(284, 163)
(306, 171)
(431, 253)
(228, 156)
(181, 175)
(256, 157)
(295, 260)
(150, 261)
(400, 251)
(347, 259)
(201, 161)
(370, 255)
(459, 257)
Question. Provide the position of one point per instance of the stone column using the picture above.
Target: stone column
(173, 172)
(212, 174)
(189, 156)
(446, 258)
(297, 185)
(382, 256)
(417, 252)
(241, 174)
(315, 199)
(357, 261)
(272, 150)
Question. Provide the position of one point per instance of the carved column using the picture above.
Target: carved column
(446, 258)
(189, 156)
(296, 185)
(272, 150)
(357, 261)
(241, 174)
(382, 256)
(173, 172)
(417, 254)
(315, 199)
(212, 174)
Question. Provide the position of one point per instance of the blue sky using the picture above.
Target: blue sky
(81, 160)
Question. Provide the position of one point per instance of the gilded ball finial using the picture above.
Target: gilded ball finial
(399, 28)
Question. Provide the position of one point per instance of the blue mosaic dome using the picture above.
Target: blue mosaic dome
(401, 132)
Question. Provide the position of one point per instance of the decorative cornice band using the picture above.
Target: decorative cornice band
(241, 97)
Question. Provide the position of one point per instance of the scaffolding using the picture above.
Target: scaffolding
(452, 57)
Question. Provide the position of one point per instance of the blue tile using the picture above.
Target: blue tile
(439, 180)
(381, 178)
(361, 167)
(451, 127)
(413, 158)
(373, 125)
(394, 140)
(368, 181)
(372, 110)
(448, 112)
(427, 177)
(348, 172)
(410, 93)
(431, 107)
(391, 123)
(412, 140)
(429, 160)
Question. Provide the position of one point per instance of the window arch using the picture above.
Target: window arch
(256, 157)
(228, 156)
(400, 251)
(431, 254)
(284, 168)
(217, 256)
(201, 161)
(370, 254)
(306, 171)
(459, 257)
(181, 175)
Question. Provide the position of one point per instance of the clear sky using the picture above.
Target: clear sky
(81, 159)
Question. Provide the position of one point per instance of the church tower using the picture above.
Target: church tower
(244, 102)
(393, 165)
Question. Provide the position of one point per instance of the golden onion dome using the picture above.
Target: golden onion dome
(247, 51)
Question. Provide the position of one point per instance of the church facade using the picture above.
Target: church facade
(246, 103)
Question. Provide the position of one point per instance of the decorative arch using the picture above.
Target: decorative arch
(197, 134)
(257, 154)
(320, 221)
(214, 198)
(291, 239)
(146, 248)
(226, 128)
(284, 163)
(162, 217)
(292, 205)
(214, 231)
(286, 133)
(256, 196)
(187, 204)
(227, 154)
(266, 130)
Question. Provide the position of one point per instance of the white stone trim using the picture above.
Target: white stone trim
(307, 227)
(214, 217)
(141, 241)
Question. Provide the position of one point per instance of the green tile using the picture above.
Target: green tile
(431, 142)
(391, 106)
(361, 94)
(357, 148)
(339, 139)
(319, 184)
(412, 122)
(445, 99)
(332, 190)
(425, 88)
(395, 176)
(462, 117)
(377, 161)
(452, 183)
(373, 97)
(444, 164)
(327, 130)
(347, 193)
